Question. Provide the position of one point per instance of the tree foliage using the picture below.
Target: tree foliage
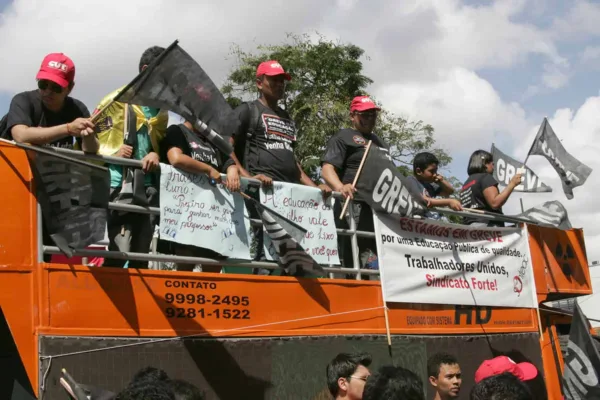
(326, 75)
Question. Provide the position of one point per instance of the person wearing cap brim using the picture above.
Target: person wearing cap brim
(525, 371)
(343, 156)
(265, 140)
(49, 115)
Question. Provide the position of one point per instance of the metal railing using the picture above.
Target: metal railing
(152, 256)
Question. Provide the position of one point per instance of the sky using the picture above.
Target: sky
(480, 72)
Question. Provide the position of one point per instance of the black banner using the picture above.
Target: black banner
(385, 189)
(582, 363)
(74, 198)
(175, 81)
(572, 172)
(551, 213)
(506, 167)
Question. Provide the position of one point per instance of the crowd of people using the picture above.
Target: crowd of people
(263, 144)
(500, 378)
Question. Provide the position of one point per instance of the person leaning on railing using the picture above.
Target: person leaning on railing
(340, 164)
(480, 190)
(189, 151)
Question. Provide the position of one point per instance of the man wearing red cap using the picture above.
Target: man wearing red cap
(265, 140)
(340, 163)
(49, 115)
(524, 371)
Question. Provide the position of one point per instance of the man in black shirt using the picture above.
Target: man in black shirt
(340, 163)
(48, 115)
(265, 140)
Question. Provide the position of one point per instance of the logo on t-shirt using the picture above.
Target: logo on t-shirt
(279, 129)
(359, 140)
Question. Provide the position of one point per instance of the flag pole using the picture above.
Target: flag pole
(534, 140)
(360, 167)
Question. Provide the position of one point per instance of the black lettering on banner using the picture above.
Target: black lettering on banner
(482, 315)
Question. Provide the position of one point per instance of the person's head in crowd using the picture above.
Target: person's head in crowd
(147, 389)
(363, 114)
(444, 375)
(149, 55)
(498, 365)
(481, 161)
(270, 80)
(347, 374)
(425, 167)
(184, 390)
(151, 374)
(505, 386)
(55, 80)
(394, 383)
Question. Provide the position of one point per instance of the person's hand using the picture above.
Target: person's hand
(516, 180)
(233, 179)
(125, 151)
(81, 127)
(150, 162)
(215, 175)
(455, 205)
(325, 190)
(264, 180)
(347, 191)
(438, 178)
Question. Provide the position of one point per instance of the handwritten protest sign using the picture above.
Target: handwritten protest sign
(196, 213)
(305, 206)
(425, 261)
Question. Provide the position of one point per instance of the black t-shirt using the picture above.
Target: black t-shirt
(431, 190)
(194, 146)
(265, 141)
(22, 110)
(345, 151)
(471, 196)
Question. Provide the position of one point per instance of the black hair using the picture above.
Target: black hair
(435, 362)
(424, 160)
(146, 390)
(344, 365)
(150, 374)
(390, 383)
(478, 161)
(184, 390)
(505, 386)
(149, 55)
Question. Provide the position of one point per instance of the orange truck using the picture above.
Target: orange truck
(244, 336)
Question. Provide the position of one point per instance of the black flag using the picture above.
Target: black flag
(552, 214)
(506, 167)
(385, 189)
(73, 196)
(582, 362)
(286, 237)
(175, 81)
(572, 172)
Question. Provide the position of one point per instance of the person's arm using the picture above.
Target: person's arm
(186, 163)
(88, 136)
(452, 203)
(237, 162)
(331, 177)
(496, 199)
(335, 156)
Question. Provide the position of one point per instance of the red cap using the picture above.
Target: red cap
(363, 103)
(272, 68)
(57, 68)
(524, 371)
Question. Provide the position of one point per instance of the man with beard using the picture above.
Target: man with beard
(49, 116)
(444, 375)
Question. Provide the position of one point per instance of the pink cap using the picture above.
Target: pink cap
(524, 371)
(363, 103)
(57, 68)
(272, 68)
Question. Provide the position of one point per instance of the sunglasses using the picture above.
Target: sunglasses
(54, 87)
(366, 114)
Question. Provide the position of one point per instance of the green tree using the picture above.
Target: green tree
(326, 75)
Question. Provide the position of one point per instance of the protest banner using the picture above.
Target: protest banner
(426, 261)
(505, 168)
(305, 206)
(194, 212)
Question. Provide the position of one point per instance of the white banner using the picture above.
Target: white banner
(304, 205)
(424, 261)
(196, 213)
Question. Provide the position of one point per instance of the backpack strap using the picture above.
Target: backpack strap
(252, 130)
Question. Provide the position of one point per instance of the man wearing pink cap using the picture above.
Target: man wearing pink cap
(49, 115)
(266, 137)
(524, 371)
(340, 163)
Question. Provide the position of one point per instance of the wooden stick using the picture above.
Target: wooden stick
(540, 323)
(360, 167)
(96, 116)
(387, 324)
